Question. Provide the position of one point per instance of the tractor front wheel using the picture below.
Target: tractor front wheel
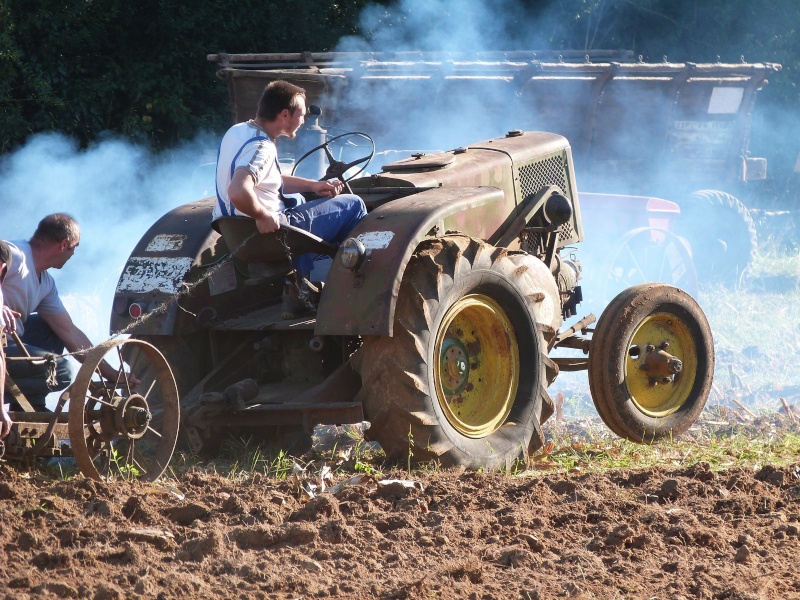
(651, 362)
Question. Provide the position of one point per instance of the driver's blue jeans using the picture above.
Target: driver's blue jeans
(331, 219)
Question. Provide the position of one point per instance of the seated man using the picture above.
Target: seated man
(41, 320)
(250, 183)
(5, 264)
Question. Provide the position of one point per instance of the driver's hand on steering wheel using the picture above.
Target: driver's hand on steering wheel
(327, 189)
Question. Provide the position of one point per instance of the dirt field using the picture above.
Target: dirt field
(660, 533)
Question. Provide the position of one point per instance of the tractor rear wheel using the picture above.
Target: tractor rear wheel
(463, 379)
(651, 362)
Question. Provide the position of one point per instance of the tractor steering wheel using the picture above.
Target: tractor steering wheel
(336, 168)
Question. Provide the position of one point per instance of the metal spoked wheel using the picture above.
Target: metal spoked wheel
(111, 427)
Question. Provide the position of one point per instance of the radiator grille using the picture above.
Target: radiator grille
(533, 177)
(550, 171)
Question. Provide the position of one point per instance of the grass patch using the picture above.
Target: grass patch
(772, 439)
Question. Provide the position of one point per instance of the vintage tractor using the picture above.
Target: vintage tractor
(441, 321)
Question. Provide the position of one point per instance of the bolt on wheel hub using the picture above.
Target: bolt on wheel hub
(454, 366)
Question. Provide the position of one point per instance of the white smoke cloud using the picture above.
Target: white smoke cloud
(115, 190)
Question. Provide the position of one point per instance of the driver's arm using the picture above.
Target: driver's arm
(298, 185)
(242, 194)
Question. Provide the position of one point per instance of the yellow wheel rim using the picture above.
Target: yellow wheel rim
(476, 366)
(655, 394)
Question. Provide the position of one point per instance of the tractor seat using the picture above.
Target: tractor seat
(267, 247)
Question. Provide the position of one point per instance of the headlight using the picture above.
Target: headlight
(352, 254)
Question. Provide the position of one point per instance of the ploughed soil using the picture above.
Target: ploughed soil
(661, 533)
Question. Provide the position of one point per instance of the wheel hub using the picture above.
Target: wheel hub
(660, 381)
(454, 366)
(132, 416)
(660, 366)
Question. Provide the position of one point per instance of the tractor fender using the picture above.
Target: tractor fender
(362, 302)
(158, 266)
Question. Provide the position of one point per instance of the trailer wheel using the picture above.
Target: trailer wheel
(111, 429)
(462, 381)
(651, 362)
(722, 234)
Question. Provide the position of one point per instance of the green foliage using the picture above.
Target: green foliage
(139, 69)
(89, 68)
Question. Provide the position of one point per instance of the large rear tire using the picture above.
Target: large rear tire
(639, 390)
(463, 379)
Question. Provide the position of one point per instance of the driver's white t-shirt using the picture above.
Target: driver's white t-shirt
(247, 146)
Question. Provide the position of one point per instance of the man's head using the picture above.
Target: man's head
(283, 104)
(5, 260)
(60, 235)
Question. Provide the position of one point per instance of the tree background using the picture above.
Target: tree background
(91, 69)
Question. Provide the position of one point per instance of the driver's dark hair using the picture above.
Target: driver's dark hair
(277, 96)
(56, 228)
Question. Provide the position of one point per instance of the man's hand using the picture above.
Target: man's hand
(268, 223)
(5, 422)
(327, 189)
(118, 377)
(10, 317)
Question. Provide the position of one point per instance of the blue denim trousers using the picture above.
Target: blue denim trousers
(32, 379)
(331, 219)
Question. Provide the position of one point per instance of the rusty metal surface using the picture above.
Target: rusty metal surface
(162, 260)
(488, 162)
(26, 437)
(363, 303)
(267, 318)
